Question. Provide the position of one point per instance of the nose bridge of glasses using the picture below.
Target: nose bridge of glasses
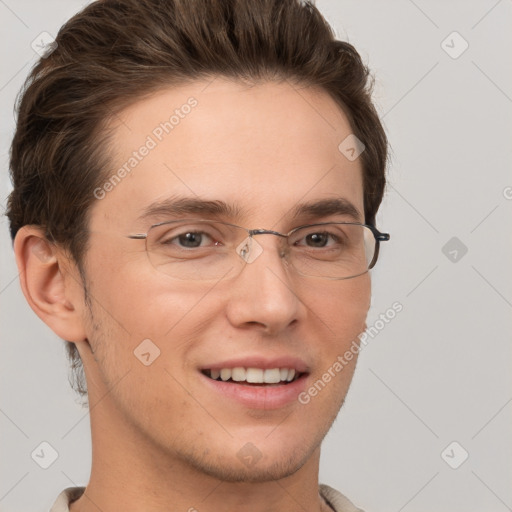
(249, 249)
(281, 237)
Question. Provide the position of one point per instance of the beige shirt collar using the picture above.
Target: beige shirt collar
(337, 501)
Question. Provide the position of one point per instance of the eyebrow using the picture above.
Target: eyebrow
(179, 206)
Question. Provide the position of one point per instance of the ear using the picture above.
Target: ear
(51, 283)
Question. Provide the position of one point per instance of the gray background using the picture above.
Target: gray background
(440, 371)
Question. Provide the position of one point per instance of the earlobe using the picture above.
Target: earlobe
(49, 289)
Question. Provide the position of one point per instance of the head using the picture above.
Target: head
(246, 103)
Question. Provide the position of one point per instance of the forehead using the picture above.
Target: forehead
(262, 148)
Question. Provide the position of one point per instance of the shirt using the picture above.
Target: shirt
(334, 499)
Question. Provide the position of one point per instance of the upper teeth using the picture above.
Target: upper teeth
(255, 375)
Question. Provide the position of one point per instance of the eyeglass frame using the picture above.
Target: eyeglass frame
(378, 235)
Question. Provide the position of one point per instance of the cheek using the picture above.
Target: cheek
(136, 319)
(341, 306)
(141, 302)
(341, 310)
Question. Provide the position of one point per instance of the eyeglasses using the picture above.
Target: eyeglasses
(192, 249)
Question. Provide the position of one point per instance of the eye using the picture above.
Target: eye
(318, 239)
(189, 239)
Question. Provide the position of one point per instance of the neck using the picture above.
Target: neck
(129, 473)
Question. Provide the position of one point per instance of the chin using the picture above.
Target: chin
(260, 472)
(257, 468)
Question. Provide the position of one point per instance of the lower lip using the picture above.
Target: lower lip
(259, 397)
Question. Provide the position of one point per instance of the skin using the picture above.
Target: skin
(162, 440)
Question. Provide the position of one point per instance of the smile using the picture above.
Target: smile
(275, 376)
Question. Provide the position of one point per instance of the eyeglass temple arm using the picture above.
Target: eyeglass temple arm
(380, 237)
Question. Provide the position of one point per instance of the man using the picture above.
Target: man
(195, 191)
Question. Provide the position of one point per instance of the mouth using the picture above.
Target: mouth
(267, 377)
(257, 382)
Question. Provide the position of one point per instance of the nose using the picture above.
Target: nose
(264, 294)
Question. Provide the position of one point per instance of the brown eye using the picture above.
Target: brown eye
(318, 239)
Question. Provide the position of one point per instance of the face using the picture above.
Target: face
(264, 149)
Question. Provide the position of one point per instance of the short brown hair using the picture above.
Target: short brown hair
(114, 52)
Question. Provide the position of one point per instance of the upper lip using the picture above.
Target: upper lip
(261, 362)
